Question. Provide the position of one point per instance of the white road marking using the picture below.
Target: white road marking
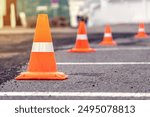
(123, 48)
(104, 63)
(76, 94)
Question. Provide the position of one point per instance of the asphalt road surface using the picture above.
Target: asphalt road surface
(121, 72)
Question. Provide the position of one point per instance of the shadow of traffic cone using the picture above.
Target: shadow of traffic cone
(42, 64)
(108, 39)
(141, 32)
(82, 44)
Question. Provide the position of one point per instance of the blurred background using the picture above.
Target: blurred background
(64, 13)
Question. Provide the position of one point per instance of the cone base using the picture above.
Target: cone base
(41, 76)
(138, 36)
(105, 43)
(82, 50)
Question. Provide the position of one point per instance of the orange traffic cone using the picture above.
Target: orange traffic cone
(42, 64)
(108, 39)
(141, 32)
(82, 44)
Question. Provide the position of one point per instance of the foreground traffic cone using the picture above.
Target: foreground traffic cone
(82, 44)
(42, 64)
(141, 32)
(108, 39)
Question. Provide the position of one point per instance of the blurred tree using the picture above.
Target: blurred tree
(29, 6)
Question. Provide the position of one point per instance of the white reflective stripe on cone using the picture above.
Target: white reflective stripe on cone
(108, 35)
(81, 37)
(141, 30)
(42, 47)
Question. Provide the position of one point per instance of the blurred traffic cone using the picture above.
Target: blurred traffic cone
(42, 64)
(108, 39)
(82, 44)
(141, 32)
